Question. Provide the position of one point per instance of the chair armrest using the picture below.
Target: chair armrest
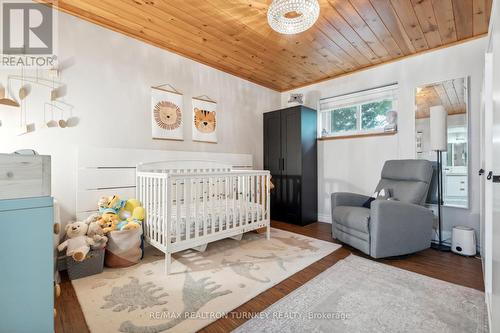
(398, 228)
(348, 199)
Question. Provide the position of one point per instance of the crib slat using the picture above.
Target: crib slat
(187, 204)
(219, 203)
(246, 197)
(233, 202)
(241, 182)
(204, 215)
(167, 213)
(177, 210)
(226, 185)
(210, 205)
(252, 198)
(153, 208)
(195, 203)
(158, 210)
(150, 201)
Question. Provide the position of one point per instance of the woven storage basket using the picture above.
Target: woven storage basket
(93, 264)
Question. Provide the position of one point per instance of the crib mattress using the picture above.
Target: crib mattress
(238, 212)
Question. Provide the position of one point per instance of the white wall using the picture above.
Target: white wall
(108, 78)
(355, 164)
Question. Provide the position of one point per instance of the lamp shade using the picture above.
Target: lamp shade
(439, 128)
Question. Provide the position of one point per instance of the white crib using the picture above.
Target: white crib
(192, 203)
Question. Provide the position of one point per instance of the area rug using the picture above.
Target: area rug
(360, 295)
(201, 288)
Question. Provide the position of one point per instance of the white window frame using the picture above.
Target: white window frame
(357, 99)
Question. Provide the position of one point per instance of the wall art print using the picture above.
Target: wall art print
(204, 120)
(166, 114)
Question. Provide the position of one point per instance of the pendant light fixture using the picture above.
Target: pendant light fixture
(292, 16)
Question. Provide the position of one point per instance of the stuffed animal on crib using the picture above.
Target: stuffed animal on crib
(78, 244)
(134, 221)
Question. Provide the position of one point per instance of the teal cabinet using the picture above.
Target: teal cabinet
(26, 265)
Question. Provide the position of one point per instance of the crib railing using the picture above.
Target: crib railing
(190, 209)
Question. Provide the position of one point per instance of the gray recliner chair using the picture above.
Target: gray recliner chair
(393, 227)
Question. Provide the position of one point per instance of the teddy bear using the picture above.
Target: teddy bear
(96, 232)
(92, 218)
(77, 242)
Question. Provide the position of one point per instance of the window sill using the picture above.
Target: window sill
(360, 135)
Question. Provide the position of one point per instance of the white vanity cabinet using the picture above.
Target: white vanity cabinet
(455, 188)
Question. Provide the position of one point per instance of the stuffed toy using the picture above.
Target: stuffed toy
(111, 203)
(134, 221)
(108, 222)
(128, 208)
(92, 218)
(118, 214)
(77, 244)
(102, 204)
(108, 225)
(96, 232)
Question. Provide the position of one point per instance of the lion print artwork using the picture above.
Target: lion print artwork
(167, 115)
(204, 120)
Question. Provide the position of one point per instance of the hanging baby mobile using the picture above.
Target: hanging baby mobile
(28, 85)
(204, 119)
(166, 113)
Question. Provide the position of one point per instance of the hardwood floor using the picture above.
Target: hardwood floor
(440, 265)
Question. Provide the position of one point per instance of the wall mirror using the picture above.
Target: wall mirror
(453, 96)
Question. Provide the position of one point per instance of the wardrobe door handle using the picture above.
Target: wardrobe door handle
(490, 175)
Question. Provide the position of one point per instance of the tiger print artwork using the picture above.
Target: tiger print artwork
(204, 120)
(167, 115)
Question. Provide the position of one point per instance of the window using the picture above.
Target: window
(358, 113)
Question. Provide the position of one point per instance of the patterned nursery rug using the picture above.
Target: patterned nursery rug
(360, 295)
(201, 288)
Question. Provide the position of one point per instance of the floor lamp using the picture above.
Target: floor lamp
(439, 143)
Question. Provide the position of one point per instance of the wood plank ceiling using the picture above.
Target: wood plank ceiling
(451, 94)
(233, 35)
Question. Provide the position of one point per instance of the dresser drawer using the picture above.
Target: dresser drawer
(24, 176)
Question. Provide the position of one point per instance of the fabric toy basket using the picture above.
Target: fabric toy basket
(93, 264)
